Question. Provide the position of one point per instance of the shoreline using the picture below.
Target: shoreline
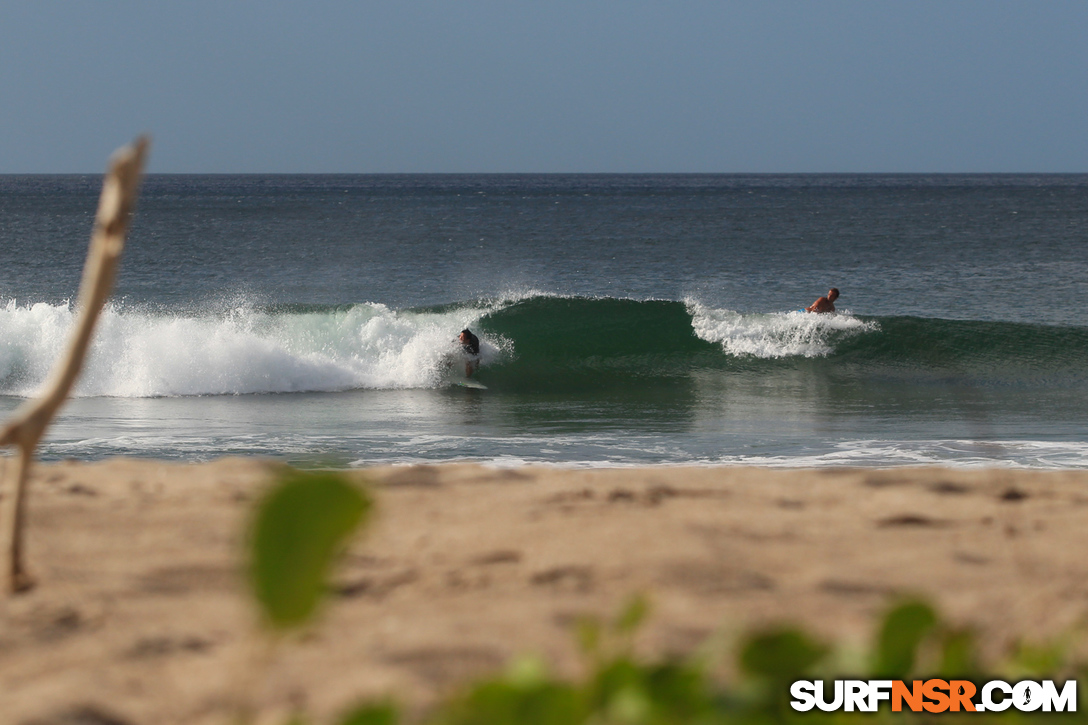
(140, 610)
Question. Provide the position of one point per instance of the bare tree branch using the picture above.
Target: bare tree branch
(29, 423)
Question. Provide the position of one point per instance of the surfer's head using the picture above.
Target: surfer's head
(832, 294)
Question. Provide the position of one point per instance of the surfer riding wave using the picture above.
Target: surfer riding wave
(825, 304)
(470, 351)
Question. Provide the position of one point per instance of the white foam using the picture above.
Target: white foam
(141, 354)
(948, 453)
(969, 454)
(776, 334)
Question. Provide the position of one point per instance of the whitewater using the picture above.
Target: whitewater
(241, 351)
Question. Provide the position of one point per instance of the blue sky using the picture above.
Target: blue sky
(511, 86)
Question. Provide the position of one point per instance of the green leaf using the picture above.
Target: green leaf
(299, 526)
(589, 636)
(526, 672)
(632, 615)
(958, 655)
(678, 691)
(372, 714)
(496, 702)
(629, 705)
(1039, 659)
(903, 630)
(780, 655)
(613, 677)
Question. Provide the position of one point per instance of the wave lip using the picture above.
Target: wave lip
(776, 334)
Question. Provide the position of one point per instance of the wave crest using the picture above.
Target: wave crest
(776, 334)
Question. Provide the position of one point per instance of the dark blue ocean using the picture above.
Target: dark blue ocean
(625, 319)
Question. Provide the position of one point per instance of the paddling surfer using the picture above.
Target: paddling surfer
(470, 349)
(825, 304)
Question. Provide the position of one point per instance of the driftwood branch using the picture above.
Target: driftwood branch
(28, 424)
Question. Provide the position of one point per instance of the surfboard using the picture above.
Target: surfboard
(469, 383)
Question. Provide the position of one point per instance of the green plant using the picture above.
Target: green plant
(300, 525)
(298, 528)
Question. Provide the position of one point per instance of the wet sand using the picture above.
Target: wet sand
(141, 616)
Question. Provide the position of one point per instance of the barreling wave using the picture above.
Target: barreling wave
(535, 343)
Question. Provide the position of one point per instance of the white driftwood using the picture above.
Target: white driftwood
(28, 424)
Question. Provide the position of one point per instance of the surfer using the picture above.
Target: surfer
(470, 348)
(825, 304)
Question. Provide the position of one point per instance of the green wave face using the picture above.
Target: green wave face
(997, 350)
(573, 343)
(577, 343)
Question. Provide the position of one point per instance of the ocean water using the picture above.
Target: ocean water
(625, 319)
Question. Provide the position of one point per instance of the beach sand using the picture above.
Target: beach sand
(141, 616)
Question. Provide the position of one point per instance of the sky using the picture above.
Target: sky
(411, 86)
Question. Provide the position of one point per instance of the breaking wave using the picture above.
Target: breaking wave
(536, 342)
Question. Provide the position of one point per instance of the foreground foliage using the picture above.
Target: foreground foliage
(307, 518)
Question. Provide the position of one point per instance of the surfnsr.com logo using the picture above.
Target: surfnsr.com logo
(934, 696)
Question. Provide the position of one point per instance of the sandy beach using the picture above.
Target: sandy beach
(141, 616)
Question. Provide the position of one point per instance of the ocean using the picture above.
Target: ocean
(625, 319)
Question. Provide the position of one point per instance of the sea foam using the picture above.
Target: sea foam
(243, 350)
(776, 334)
